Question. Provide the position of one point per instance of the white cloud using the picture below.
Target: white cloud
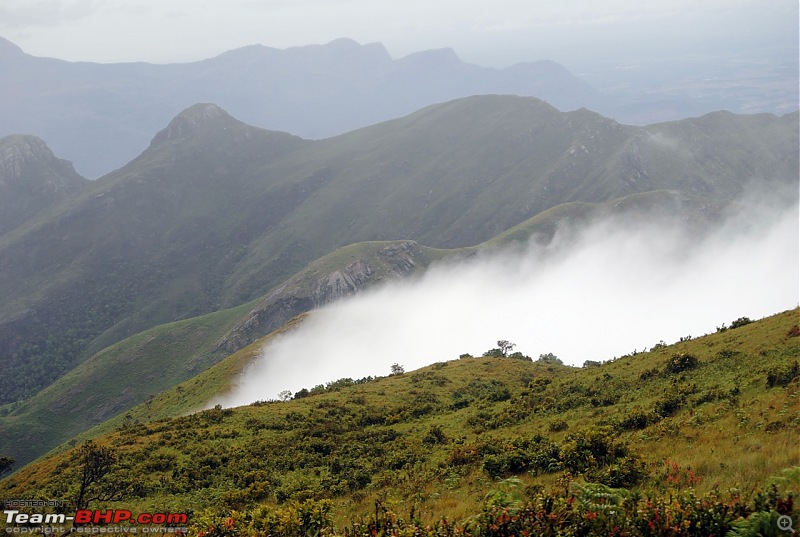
(619, 286)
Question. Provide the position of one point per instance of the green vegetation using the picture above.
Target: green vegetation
(687, 439)
(127, 287)
(6, 464)
(216, 213)
(121, 376)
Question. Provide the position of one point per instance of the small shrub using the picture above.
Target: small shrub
(660, 345)
(649, 374)
(681, 362)
(435, 435)
(774, 426)
(549, 359)
(726, 354)
(604, 400)
(635, 421)
(782, 376)
(558, 426)
(668, 405)
(627, 472)
(591, 449)
(539, 384)
(741, 321)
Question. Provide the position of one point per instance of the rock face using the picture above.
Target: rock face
(315, 287)
(32, 179)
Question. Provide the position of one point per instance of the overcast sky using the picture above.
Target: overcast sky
(496, 33)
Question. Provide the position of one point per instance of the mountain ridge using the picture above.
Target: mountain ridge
(314, 91)
(208, 222)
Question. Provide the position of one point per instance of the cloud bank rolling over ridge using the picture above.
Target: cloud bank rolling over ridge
(620, 285)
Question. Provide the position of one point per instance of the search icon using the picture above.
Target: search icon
(785, 523)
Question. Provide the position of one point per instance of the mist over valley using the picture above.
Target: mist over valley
(365, 286)
(609, 288)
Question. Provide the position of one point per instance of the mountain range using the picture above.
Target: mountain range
(100, 116)
(220, 232)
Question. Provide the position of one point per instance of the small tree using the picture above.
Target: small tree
(505, 346)
(285, 395)
(398, 369)
(519, 356)
(550, 359)
(96, 463)
(741, 321)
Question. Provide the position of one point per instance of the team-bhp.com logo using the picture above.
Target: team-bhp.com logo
(171, 522)
(86, 516)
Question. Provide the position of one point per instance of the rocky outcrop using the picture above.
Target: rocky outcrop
(21, 155)
(32, 179)
(319, 285)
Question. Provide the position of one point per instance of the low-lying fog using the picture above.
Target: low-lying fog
(620, 285)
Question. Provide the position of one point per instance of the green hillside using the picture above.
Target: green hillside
(138, 368)
(115, 379)
(216, 213)
(686, 434)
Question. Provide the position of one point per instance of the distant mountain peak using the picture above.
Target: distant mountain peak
(32, 179)
(345, 42)
(9, 49)
(191, 120)
(17, 152)
(440, 57)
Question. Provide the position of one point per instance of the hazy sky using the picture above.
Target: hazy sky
(499, 33)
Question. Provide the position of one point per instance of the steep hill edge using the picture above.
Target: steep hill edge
(465, 423)
(61, 411)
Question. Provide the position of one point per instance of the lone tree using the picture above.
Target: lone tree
(96, 463)
(505, 346)
(398, 369)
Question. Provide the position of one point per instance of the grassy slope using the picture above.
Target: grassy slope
(367, 441)
(136, 369)
(126, 374)
(112, 381)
